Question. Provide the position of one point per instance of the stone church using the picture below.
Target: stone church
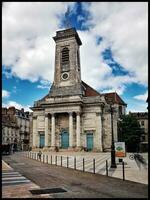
(74, 116)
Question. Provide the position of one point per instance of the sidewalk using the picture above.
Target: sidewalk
(133, 171)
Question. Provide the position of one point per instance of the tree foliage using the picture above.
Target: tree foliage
(130, 132)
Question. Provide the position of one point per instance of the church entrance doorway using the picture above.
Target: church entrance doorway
(64, 140)
(89, 139)
(42, 140)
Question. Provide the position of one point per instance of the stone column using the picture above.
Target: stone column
(70, 129)
(99, 132)
(34, 131)
(78, 139)
(53, 131)
(46, 130)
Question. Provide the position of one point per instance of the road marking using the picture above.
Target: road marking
(13, 178)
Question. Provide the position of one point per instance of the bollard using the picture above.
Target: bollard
(47, 159)
(83, 165)
(51, 159)
(30, 154)
(106, 168)
(55, 160)
(61, 161)
(123, 171)
(43, 158)
(94, 165)
(67, 162)
(74, 162)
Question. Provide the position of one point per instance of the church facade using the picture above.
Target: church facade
(74, 116)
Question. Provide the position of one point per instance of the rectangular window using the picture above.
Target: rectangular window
(142, 123)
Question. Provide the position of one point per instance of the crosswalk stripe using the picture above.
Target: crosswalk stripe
(5, 173)
(14, 175)
(13, 178)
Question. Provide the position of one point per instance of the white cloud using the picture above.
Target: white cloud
(44, 84)
(29, 50)
(123, 26)
(142, 97)
(5, 94)
(28, 47)
(17, 105)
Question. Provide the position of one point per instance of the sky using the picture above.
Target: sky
(114, 49)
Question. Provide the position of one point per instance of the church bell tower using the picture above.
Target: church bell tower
(67, 75)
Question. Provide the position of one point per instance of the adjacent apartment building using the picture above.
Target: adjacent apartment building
(16, 128)
(142, 118)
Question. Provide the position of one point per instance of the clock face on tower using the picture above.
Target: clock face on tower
(65, 76)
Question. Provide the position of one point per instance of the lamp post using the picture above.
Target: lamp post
(113, 159)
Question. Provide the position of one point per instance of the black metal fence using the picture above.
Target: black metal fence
(64, 161)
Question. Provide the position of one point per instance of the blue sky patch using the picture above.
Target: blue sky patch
(117, 69)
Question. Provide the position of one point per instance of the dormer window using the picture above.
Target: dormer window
(65, 59)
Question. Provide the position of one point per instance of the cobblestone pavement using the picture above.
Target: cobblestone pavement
(134, 170)
(77, 184)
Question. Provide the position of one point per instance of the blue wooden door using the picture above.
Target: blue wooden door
(89, 141)
(42, 140)
(65, 140)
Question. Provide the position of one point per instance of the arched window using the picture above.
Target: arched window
(65, 59)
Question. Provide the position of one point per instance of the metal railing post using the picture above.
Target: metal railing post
(106, 168)
(61, 161)
(123, 171)
(51, 159)
(67, 161)
(55, 160)
(83, 165)
(74, 162)
(94, 165)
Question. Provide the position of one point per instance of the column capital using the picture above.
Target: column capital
(46, 114)
(78, 113)
(53, 114)
(34, 117)
(70, 113)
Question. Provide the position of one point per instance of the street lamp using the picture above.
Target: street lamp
(113, 158)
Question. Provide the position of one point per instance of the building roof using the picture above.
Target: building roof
(114, 97)
(89, 91)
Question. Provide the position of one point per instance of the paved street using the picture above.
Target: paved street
(76, 183)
